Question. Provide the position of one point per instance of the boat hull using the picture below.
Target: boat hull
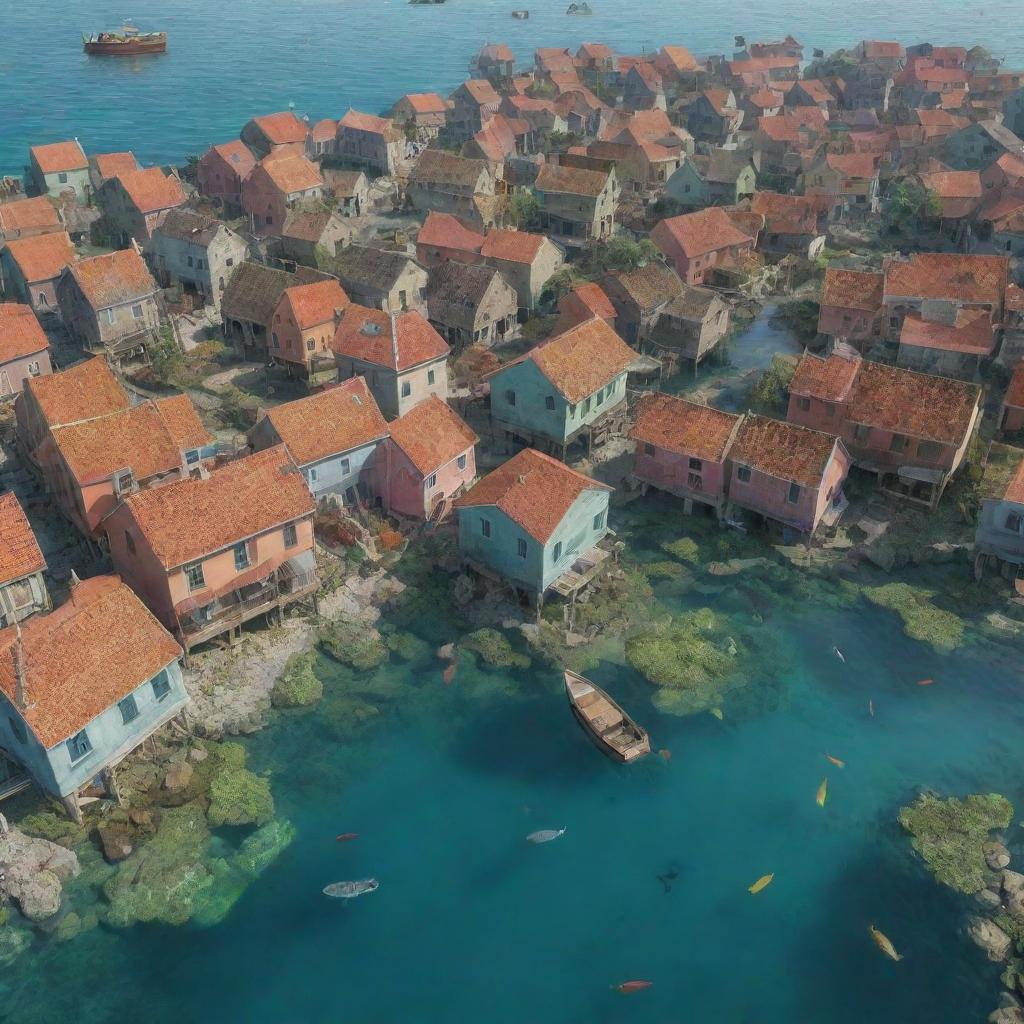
(635, 751)
(131, 48)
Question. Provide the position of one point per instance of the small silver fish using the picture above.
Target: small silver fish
(545, 835)
(350, 890)
(839, 654)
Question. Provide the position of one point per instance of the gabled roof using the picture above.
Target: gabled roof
(512, 246)
(186, 428)
(189, 226)
(111, 165)
(595, 51)
(534, 490)
(648, 286)
(151, 190)
(282, 128)
(458, 284)
(703, 232)
(59, 156)
(431, 434)
(594, 298)
(497, 52)
(682, 427)
(82, 657)
(786, 215)
(366, 123)
(337, 420)
(954, 184)
(19, 550)
(828, 379)
(191, 518)
(113, 279)
(438, 167)
(873, 49)
(41, 257)
(28, 215)
(766, 99)
(309, 221)
(253, 292)
(80, 392)
(315, 304)
(723, 166)
(693, 304)
(783, 450)
(480, 90)
(237, 154)
(291, 173)
(368, 266)
(397, 341)
(954, 276)
(426, 102)
(325, 130)
(815, 90)
(971, 333)
(574, 181)
(449, 232)
(20, 332)
(852, 165)
(853, 289)
(678, 58)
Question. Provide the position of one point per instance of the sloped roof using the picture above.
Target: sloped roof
(449, 232)
(852, 165)
(438, 167)
(254, 290)
(685, 428)
(20, 332)
(497, 51)
(853, 289)
(80, 392)
(830, 379)
(190, 518)
(366, 123)
(315, 304)
(113, 278)
(336, 420)
(237, 154)
(533, 490)
(583, 359)
(972, 333)
(309, 221)
(325, 130)
(395, 340)
(594, 298)
(151, 190)
(679, 58)
(721, 165)
(183, 423)
(954, 184)
(291, 172)
(189, 226)
(647, 286)
(692, 303)
(282, 128)
(28, 215)
(426, 102)
(83, 657)
(783, 450)
(571, 180)
(369, 266)
(59, 156)
(704, 231)
(481, 91)
(19, 550)
(459, 284)
(512, 246)
(786, 215)
(41, 257)
(431, 434)
(934, 275)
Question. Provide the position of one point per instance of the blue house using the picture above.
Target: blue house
(535, 523)
(82, 686)
(331, 436)
(570, 388)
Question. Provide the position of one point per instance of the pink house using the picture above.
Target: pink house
(1012, 414)
(274, 186)
(222, 170)
(428, 460)
(302, 329)
(682, 448)
(698, 242)
(24, 348)
(583, 303)
(787, 474)
(447, 237)
(852, 307)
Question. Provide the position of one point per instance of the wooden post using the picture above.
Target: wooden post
(110, 782)
(70, 803)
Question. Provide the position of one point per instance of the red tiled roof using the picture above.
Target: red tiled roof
(852, 165)
(110, 165)
(1015, 390)
(336, 420)
(395, 340)
(875, 48)
(783, 450)
(685, 428)
(113, 278)
(971, 334)
(28, 215)
(19, 551)
(533, 490)
(679, 58)
(816, 90)
(80, 392)
(190, 518)
(282, 128)
(315, 304)
(238, 155)
(324, 130)
(703, 232)
(59, 156)
(786, 215)
(20, 332)
(512, 246)
(954, 184)
(183, 422)
(853, 289)
(426, 102)
(583, 359)
(83, 657)
(151, 190)
(576, 181)
(291, 173)
(766, 99)
(42, 257)
(447, 231)
(830, 379)
(481, 91)
(432, 435)
(497, 51)
(366, 123)
(595, 51)
(593, 296)
(933, 275)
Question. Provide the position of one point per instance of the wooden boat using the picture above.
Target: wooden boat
(521, 15)
(127, 41)
(614, 732)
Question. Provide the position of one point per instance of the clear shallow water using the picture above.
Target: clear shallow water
(228, 62)
(471, 923)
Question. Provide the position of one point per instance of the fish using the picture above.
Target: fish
(762, 883)
(822, 793)
(346, 837)
(666, 754)
(871, 708)
(717, 712)
(545, 835)
(839, 654)
(633, 986)
(835, 760)
(883, 943)
(449, 674)
(668, 878)
(925, 682)
(350, 890)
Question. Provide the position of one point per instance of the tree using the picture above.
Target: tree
(909, 205)
(557, 285)
(524, 211)
(165, 358)
(620, 253)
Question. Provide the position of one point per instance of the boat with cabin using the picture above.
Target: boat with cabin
(127, 41)
(615, 733)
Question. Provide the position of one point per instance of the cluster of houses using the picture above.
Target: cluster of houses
(729, 167)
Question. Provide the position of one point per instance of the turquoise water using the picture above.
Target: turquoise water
(472, 923)
(227, 62)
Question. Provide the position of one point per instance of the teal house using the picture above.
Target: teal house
(536, 524)
(569, 389)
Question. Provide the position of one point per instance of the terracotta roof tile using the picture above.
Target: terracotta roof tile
(188, 519)
(113, 278)
(972, 333)
(948, 276)
(481, 91)
(42, 257)
(282, 128)
(873, 49)
(20, 332)
(432, 435)
(446, 231)
(954, 184)
(595, 51)
(291, 173)
(28, 215)
(325, 130)
(594, 298)
(786, 215)
(512, 246)
(237, 154)
(110, 165)
(426, 102)
(783, 450)
(397, 341)
(336, 420)
(83, 657)
(315, 304)
(59, 156)
(647, 287)
(829, 379)
(766, 99)
(583, 359)
(366, 123)
(533, 490)
(853, 289)
(682, 427)
(436, 166)
(1015, 390)
(183, 422)
(852, 165)
(679, 58)
(571, 180)
(80, 392)
(19, 550)
(703, 232)
(151, 190)
(497, 51)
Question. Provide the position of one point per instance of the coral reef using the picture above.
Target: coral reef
(237, 796)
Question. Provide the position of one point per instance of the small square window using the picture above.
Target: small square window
(346, 467)
(137, 311)
(406, 388)
(804, 404)
(898, 443)
(599, 521)
(291, 535)
(195, 577)
(431, 376)
(830, 409)
(556, 552)
(485, 527)
(128, 708)
(62, 177)
(1014, 523)
(648, 449)
(241, 556)
(108, 315)
(549, 402)
(510, 397)
(161, 685)
(431, 481)
(521, 547)
(462, 462)
(794, 493)
(79, 746)
(743, 474)
(928, 449)
(696, 464)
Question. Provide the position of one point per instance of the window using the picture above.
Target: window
(648, 449)
(461, 462)
(898, 443)
(794, 493)
(274, 340)
(310, 344)
(694, 481)
(62, 177)
(108, 315)
(195, 577)
(510, 397)
(229, 262)
(129, 542)
(79, 746)
(137, 311)
(928, 449)
(599, 521)
(804, 404)
(128, 708)
(346, 467)
(18, 728)
(431, 481)
(241, 556)
(743, 474)
(586, 405)
(161, 685)
(830, 409)
(406, 388)
(696, 464)
(33, 369)
(291, 535)
(549, 401)
(861, 432)
(556, 552)
(431, 376)
(190, 261)
(403, 299)
(485, 527)
(521, 547)
(1014, 523)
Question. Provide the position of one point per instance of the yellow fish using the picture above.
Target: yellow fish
(762, 883)
(835, 761)
(717, 712)
(883, 943)
(822, 793)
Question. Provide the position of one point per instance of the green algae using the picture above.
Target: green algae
(13, 942)
(685, 550)
(237, 795)
(405, 645)
(494, 649)
(354, 644)
(56, 827)
(950, 835)
(298, 686)
(922, 620)
(663, 571)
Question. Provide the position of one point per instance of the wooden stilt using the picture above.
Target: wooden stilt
(111, 786)
(70, 803)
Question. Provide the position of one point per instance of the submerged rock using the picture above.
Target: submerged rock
(237, 795)
(13, 942)
(115, 842)
(997, 856)
(990, 937)
(494, 649)
(298, 685)
(34, 870)
(353, 643)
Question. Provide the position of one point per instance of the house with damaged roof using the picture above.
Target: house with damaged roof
(911, 430)
(721, 177)
(24, 348)
(332, 436)
(442, 182)
(688, 327)
(391, 281)
(577, 205)
(536, 524)
(22, 588)
(471, 305)
(638, 297)
(211, 553)
(570, 388)
(84, 685)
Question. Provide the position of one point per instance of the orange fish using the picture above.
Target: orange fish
(835, 761)
(925, 682)
(666, 754)
(449, 674)
(633, 986)
(871, 708)
(346, 837)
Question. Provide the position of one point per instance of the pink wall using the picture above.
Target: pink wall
(1013, 418)
(403, 487)
(17, 370)
(671, 470)
(859, 328)
(832, 483)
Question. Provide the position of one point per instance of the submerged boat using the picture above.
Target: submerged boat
(581, 8)
(127, 41)
(614, 732)
(521, 15)
(350, 890)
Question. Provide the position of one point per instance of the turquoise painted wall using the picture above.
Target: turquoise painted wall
(584, 525)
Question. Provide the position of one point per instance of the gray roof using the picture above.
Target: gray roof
(721, 165)
(458, 284)
(998, 132)
(692, 303)
(438, 167)
(254, 290)
(377, 269)
(189, 226)
(646, 287)
(308, 223)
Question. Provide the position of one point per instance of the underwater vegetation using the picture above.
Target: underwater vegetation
(298, 686)
(922, 620)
